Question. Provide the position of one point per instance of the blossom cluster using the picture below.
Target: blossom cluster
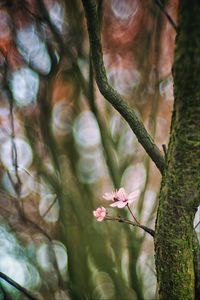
(119, 199)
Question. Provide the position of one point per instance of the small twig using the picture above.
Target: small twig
(18, 185)
(17, 286)
(136, 221)
(165, 151)
(14, 150)
(197, 225)
(123, 220)
(162, 8)
(50, 207)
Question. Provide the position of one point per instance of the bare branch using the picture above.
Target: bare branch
(50, 207)
(17, 286)
(165, 151)
(14, 158)
(197, 225)
(110, 94)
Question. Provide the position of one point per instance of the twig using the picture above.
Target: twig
(14, 150)
(136, 221)
(162, 8)
(124, 220)
(17, 286)
(18, 185)
(110, 94)
(165, 151)
(197, 225)
(50, 207)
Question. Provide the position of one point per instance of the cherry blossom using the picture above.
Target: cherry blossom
(121, 198)
(100, 213)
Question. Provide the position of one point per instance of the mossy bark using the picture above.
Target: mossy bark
(180, 189)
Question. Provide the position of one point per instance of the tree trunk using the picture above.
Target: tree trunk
(180, 188)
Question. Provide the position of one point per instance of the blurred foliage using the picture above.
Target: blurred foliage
(62, 146)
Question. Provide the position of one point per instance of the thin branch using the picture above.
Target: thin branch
(134, 218)
(14, 151)
(162, 8)
(50, 207)
(14, 157)
(165, 151)
(197, 225)
(110, 94)
(124, 220)
(17, 286)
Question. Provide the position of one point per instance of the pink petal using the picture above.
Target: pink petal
(100, 211)
(103, 214)
(119, 204)
(100, 219)
(114, 204)
(108, 196)
(132, 196)
(122, 204)
(122, 190)
(121, 194)
(103, 209)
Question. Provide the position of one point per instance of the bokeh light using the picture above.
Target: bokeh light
(49, 207)
(11, 180)
(166, 89)
(123, 10)
(33, 49)
(61, 255)
(44, 257)
(90, 169)
(24, 84)
(15, 264)
(58, 17)
(23, 151)
(105, 288)
(134, 177)
(124, 78)
(86, 130)
(62, 122)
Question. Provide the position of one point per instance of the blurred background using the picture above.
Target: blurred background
(62, 146)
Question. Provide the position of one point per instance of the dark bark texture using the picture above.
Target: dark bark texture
(177, 250)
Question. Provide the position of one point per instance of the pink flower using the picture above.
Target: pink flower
(100, 213)
(121, 198)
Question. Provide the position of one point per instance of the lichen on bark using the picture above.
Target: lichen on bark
(180, 192)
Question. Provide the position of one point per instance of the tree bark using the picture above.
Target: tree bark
(180, 188)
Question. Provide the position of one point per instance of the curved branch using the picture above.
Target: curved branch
(17, 286)
(110, 94)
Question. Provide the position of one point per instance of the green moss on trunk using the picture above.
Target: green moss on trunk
(179, 196)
